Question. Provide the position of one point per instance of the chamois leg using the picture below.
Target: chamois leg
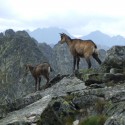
(47, 78)
(74, 63)
(35, 84)
(88, 62)
(95, 56)
(78, 59)
(39, 83)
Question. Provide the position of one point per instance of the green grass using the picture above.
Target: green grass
(94, 120)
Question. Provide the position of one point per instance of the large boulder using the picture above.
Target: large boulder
(115, 58)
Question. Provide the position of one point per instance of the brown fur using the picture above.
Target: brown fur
(81, 48)
(38, 71)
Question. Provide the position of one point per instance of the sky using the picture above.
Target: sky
(78, 17)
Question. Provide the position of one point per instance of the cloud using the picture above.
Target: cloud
(79, 17)
(106, 24)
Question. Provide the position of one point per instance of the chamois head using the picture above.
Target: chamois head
(63, 38)
(27, 68)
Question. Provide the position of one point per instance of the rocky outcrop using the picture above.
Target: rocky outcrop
(30, 114)
(23, 34)
(102, 79)
(9, 33)
(115, 58)
(106, 99)
(84, 104)
(16, 50)
(64, 59)
(68, 101)
(112, 68)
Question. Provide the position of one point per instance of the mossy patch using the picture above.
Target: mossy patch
(100, 105)
(94, 120)
(85, 73)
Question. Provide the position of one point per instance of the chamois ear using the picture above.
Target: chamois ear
(26, 66)
(60, 34)
(64, 34)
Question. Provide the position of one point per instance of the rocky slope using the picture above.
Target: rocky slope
(16, 50)
(99, 97)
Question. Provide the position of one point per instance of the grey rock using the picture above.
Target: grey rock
(22, 33)
(113, 77)
(27, 114)
(115, 58)
(9, 33)
(75, 97)
(115, 70)
(93, 78)
(34, 104)
(1, 35)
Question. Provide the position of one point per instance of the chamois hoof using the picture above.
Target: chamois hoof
(47, 86)
(75, 73)
(72, 75)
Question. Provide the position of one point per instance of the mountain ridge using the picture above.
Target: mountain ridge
(51, 36)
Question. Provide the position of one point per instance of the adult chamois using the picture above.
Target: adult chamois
(38, 71)
(80, 48)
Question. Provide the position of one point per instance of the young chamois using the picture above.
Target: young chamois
(38, 71)
(80, 48)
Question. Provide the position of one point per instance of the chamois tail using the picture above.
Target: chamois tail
(50, 69)
(96, 51)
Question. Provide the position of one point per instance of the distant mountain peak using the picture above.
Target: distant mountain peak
(96, 31)
(103, 40)
(49, 35)
(99, 33)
